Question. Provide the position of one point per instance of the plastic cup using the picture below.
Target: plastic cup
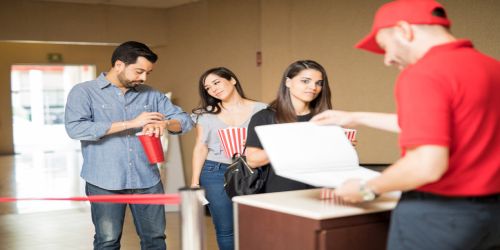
(350, 133)
(152, 147)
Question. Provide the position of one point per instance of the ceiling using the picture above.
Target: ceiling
(131, 3)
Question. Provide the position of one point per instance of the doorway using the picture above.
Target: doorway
(39, 95)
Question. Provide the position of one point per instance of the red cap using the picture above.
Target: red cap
(411, 11)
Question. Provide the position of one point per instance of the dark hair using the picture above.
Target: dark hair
(128, 52)
(282, 105)
(209, 104)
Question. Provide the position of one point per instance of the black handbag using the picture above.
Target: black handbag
(240, 179)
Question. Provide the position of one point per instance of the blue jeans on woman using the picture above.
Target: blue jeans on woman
(220, 206)
(108, 219)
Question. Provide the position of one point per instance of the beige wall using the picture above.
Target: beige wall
(318, 30)
(49, 21)
(191, 38)
(209, 34)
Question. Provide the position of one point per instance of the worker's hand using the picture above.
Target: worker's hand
(335, 117)
(349, 191)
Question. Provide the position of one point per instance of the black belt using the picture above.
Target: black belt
(417, 195)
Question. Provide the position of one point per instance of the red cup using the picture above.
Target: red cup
(152, 147)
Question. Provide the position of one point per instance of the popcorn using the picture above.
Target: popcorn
(233, 140)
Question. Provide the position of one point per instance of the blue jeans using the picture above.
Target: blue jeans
(220, 206)
(428, 221)
(108, 219)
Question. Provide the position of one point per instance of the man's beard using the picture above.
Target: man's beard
(127, 83)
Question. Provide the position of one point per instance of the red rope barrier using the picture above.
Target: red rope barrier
(165, 199)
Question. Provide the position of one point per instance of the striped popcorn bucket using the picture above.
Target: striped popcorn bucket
(233, 140)
(350, 133)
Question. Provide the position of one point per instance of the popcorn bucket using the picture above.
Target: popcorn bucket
(350, 133)
(152, 147)
(233, 140)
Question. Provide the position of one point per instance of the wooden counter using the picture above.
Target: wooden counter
(300, 220)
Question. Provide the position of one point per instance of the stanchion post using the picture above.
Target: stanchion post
(192, 219)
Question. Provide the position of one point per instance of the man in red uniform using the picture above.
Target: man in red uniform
(448, 99)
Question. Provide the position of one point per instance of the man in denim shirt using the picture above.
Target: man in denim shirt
(104, 114)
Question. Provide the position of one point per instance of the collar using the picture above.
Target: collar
(458, 44)
(103, 82)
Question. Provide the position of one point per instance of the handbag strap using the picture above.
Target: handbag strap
(265, 172)
(235, 155)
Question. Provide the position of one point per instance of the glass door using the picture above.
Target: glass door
(39, 94)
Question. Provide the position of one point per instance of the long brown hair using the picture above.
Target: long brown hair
(282, 105)
(208, 103)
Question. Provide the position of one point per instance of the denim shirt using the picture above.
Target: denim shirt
(115, 161)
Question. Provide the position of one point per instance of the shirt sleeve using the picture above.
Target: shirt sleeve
(204, 121)
(423, 109)
(171, 111)
(78, 117)
(257, 119)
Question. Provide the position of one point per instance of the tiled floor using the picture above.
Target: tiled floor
(56, 225)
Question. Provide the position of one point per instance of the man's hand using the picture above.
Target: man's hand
(336, 117)
(157, 128)
(145, 118)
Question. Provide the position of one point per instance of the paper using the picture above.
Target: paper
(321, 156)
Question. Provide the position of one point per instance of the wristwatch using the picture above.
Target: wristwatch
(367, 193)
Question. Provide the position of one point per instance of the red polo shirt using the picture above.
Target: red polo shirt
(451, 97)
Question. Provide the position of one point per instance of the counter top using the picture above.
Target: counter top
(306, 203)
